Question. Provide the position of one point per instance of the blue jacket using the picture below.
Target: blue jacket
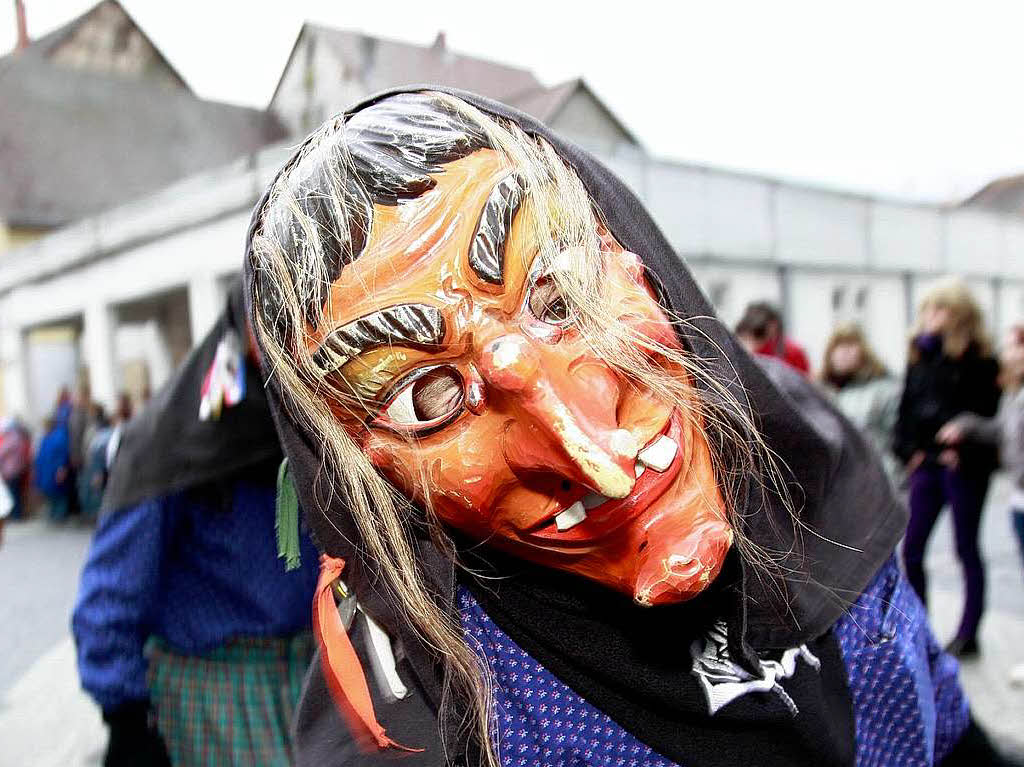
(52, 455)
(194, 569)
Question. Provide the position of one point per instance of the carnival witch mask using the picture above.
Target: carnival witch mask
(442, 286)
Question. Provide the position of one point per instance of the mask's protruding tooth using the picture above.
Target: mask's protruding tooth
(639, 469)
(571, 517)
(593, 500)
(659, 454)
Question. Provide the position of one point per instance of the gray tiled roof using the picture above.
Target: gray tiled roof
(542, 102)
(1005, 195)
(74, 143)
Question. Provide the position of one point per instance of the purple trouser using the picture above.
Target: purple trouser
(931, 487)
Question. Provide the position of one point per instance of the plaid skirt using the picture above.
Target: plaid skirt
(232, 705)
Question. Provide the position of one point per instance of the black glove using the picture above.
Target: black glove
(134, 742)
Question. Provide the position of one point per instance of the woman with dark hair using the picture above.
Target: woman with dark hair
(951, 370)
(572, 522)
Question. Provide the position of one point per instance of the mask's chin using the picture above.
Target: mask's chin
(685, 536)
(680, 562)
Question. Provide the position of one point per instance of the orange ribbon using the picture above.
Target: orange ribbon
(342, 670)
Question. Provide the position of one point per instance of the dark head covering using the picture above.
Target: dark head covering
(167, 448)
(849, 519)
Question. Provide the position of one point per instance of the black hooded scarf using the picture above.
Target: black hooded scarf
(193, 452)
(849, 523)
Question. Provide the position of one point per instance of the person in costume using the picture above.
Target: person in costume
(573, 521)
(950, 370)
(191, 635)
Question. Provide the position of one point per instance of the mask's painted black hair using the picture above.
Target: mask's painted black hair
(380, 155)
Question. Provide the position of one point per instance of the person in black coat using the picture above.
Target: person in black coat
(950, 371)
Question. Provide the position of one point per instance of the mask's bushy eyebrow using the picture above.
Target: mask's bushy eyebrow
(487, 250)
(402, 325)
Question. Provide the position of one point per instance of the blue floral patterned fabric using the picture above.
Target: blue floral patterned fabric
(908, 706)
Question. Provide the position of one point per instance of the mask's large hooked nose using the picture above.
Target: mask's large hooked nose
(567, 414)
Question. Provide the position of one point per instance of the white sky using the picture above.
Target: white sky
(918, 100)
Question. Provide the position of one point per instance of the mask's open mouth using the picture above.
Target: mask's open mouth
(594, 516)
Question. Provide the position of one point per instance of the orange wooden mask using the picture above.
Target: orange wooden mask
(488, 394)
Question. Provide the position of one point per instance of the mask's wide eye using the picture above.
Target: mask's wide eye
(431, 399)
(547, 303)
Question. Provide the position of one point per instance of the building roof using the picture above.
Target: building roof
(111, 13)
(542, 102)
(546, 103)
(76, 142)
(384, 64)
(1005, 195)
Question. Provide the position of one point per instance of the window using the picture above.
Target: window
(838, 298)
(718, 293)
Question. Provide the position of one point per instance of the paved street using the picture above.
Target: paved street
(45, 721)
(996, 704)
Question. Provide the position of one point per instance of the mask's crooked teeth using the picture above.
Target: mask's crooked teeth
(659, 454)
(571, 517)
(592, 500)
(639, 469)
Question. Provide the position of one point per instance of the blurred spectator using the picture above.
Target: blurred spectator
(761, 331)
(52, 469)
(92, 475)
(15, 461)
(862, 388)
(78, 423)
(62, 410)
(184, 564)
(6, 504)
(950, 371)
(1006, 431)
(122, 416)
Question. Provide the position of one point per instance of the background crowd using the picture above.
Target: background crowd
(942, 427)
(64, 475)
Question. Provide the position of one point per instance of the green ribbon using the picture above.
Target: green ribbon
(286, 521)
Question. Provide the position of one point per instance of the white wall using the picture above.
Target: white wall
(905, 237)
(312, 86)
(820, 229)
(731, 287)
(52, 362)
(1011, 307)
(214, 248)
